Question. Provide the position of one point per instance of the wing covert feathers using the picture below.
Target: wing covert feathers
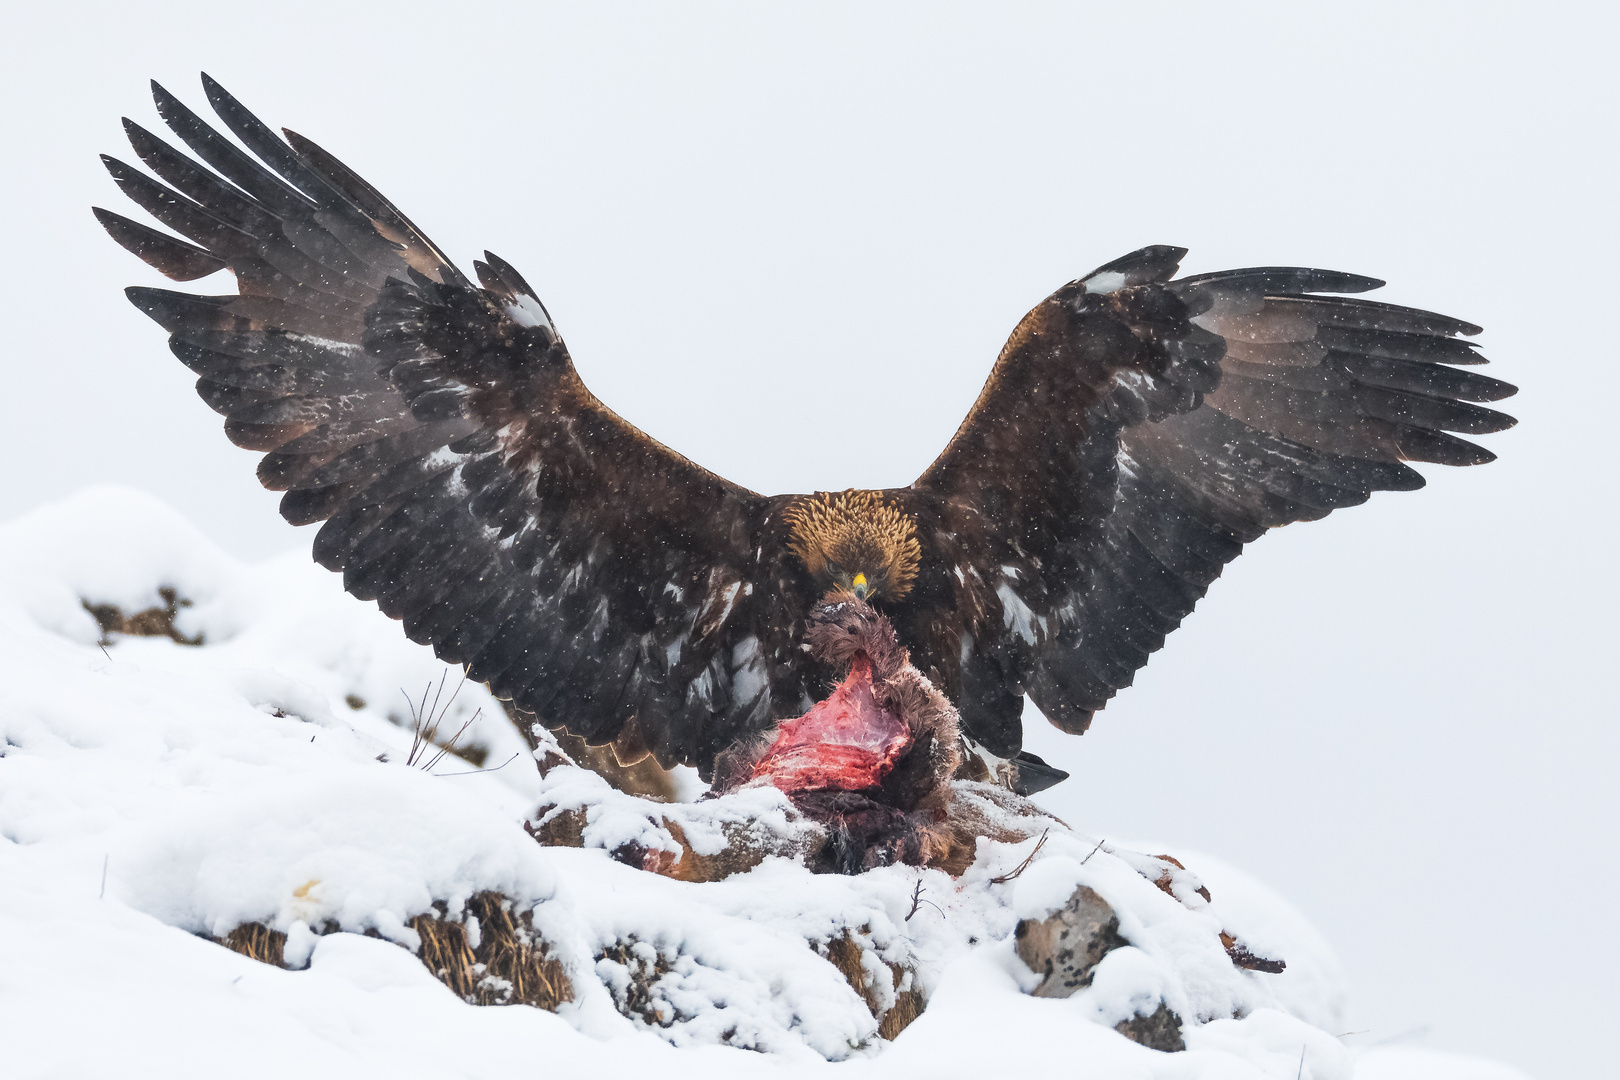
(467, 480)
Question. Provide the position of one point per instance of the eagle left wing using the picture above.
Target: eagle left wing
(468, 480)
(1137, 431)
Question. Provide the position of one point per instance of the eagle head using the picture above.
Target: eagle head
(853, 540)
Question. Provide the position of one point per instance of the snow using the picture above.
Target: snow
(152, 791)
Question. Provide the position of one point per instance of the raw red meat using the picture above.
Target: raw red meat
(846, 742)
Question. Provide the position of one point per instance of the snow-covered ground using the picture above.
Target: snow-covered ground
(153, 791)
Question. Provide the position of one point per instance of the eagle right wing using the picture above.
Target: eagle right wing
(468, 480)
(1138, 431)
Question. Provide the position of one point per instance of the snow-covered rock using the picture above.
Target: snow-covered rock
(156, 794)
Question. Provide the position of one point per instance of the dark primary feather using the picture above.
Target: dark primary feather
(1135, 432)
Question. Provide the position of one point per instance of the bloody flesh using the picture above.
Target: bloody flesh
(846, 742)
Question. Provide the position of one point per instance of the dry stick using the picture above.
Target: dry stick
(917, 901)
(1093, 851)
(1021, 867)
(470, 772)
(105, 859)
(1301, 1071)
(423, 727)
(416, 725)
(1409, 1033)
(438, 694)
(425, 719)
(448, 746)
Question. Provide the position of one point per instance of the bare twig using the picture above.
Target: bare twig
(416, 725)
(1093, 851)
(470, 772)
(917, 901)
(104, 651)
(450, 743)
(1301, 1070)
(1401, 1036)
(1021, 867)
(105, 859)
(425, 720)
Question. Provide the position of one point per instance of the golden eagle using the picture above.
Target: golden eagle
(1136, 431)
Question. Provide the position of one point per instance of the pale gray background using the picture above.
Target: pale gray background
(789, 242)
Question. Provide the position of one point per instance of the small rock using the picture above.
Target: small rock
(1065, 947)
(1160, 1030)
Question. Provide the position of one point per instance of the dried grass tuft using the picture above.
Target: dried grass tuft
(509, 965)
(257, 941)
(844, 953)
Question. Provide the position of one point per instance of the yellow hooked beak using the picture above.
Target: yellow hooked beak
(860, 586)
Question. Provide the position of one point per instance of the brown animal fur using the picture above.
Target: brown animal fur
(843, 626)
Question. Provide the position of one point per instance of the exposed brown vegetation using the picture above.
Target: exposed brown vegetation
(257, 941)
(636, 998)
(503, 962)
(150, 622)
(844, 953)
(746, 846)
(509, 964)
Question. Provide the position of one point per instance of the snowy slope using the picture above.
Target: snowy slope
(153, 791)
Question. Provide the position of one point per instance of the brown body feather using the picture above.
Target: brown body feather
(1136, 431)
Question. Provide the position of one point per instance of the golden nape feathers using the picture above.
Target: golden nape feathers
(839, 534)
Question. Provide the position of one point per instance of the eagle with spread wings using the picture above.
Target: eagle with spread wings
(1135, 432)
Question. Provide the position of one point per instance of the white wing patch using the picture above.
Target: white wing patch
(748, 670)
(1016, 616)
(528, 311)
(1104, 283)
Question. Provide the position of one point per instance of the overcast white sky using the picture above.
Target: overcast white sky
(789, 242)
